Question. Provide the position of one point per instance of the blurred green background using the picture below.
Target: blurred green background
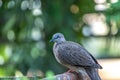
(26, 27)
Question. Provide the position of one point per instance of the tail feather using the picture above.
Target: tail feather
(93, 73)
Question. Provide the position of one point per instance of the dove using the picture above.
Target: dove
(74, 56)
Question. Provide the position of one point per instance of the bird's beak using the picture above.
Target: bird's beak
(51, 40)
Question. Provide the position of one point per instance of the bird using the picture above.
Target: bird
(74, 56)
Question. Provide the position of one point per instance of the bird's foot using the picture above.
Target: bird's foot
(70, 71)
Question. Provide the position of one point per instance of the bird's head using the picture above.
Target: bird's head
(58, 37)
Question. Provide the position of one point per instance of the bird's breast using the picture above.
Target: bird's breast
(55, 51)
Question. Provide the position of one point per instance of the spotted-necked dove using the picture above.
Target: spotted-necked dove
(74, 56)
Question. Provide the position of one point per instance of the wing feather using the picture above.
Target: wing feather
(73, 54)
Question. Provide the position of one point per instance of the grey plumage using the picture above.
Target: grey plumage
(74, 56)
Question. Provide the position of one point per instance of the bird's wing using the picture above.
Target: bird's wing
(73, 54)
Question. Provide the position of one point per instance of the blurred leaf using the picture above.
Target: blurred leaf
(49, 74)
(9, 24)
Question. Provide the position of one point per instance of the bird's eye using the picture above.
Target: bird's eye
(57, 37)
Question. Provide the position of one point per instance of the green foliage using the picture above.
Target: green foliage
(27, 26)
(49, 74)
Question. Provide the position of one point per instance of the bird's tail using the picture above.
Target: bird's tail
(93, 74)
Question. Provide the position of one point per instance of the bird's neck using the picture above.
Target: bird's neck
(57, 43)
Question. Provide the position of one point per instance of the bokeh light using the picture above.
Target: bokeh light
(74, 9)
(24, 5)
(39, 23)
(2, 60)
(11, 35)
(36, 34)
(113, 1)
(36, 12)
(97, 24)
(1, 3)
(11, 4)
(8, 51)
